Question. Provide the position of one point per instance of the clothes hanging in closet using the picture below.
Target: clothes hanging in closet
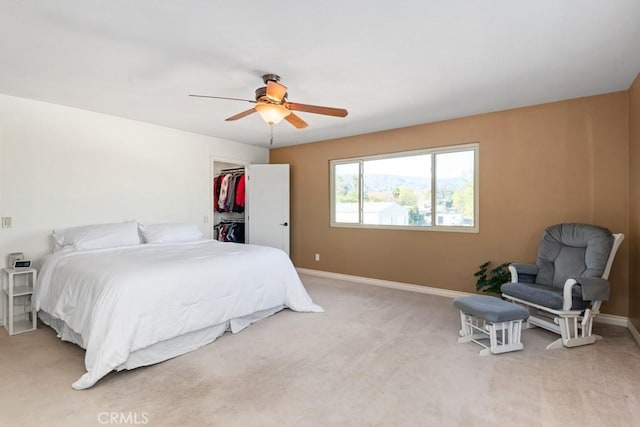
(229, 192)
(229, 231)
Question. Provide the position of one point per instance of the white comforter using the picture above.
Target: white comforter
(124, 299)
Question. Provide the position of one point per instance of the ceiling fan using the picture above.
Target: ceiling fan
(272, 104)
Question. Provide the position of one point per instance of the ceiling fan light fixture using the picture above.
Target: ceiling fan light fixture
(272, 113)
(276, 92)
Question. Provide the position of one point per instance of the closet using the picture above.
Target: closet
(250, 203)
(229, 198)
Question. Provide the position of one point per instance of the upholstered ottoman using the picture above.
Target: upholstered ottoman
(485, 317)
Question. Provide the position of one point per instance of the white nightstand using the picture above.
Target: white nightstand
(17, 300)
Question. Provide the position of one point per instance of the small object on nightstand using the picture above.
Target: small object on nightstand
(17, 293)
(13, 257)
(21, 264)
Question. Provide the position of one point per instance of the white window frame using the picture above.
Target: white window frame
(475, 147)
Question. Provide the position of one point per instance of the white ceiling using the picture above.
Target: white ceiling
(390, 63)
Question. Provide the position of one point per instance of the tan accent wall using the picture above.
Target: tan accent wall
(634, 203)
(559, 162)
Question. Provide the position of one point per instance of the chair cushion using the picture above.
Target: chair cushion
(546, 296)
(566, 250)
(491, 309)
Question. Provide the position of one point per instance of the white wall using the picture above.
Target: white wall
(62, 167)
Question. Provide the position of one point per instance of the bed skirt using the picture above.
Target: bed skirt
(167, 349)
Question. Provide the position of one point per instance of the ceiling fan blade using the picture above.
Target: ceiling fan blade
(241, 115)
(275, 91)
(296, 121)
(224, 97)
(316, 109)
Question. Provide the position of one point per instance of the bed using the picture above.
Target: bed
(140, 304)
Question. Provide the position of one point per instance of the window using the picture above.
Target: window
(432, 189)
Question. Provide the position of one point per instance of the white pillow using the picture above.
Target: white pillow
(97, 236)
(170, 233)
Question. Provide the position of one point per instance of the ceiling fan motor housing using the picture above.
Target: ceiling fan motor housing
(261, 92)
(272, 77)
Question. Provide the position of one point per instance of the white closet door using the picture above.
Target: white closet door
(268, 205)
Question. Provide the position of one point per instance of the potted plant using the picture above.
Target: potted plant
(489, 281)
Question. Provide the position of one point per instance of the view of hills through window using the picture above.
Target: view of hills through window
(400, 191)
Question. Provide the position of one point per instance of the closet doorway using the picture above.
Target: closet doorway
(265, 219)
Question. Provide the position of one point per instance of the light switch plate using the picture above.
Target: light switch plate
(6, 222)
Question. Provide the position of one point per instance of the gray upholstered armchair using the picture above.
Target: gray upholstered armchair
(565, 288)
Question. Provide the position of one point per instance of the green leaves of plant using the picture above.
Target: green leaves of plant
(489, 281)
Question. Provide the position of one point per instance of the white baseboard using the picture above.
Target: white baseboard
(608, 319)
(612, 319)
(634, 332)
(384, 283)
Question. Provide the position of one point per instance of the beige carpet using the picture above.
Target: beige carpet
(376, 357)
